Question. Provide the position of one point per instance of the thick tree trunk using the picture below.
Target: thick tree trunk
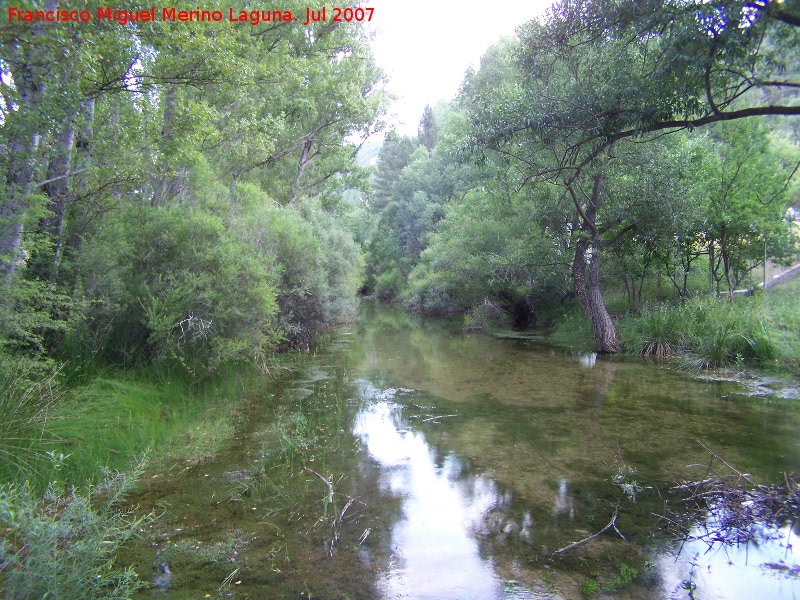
(586, 267)
(586, 285)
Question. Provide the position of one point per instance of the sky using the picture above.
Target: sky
(425, 46)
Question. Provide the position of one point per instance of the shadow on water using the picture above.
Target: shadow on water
(408, 460)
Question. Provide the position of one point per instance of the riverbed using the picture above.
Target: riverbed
(408, 459)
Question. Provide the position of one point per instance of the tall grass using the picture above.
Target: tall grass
(782, 303)
(705, 332)
(657, 331)
(120, 415)
(26, 415)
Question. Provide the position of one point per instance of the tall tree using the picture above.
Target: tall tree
(686, 64)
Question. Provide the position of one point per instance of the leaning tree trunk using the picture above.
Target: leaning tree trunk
(586, 285)
(586, 266)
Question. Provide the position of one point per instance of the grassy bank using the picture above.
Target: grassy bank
(114, 417)
(69, 455)
(120, 415)
(755, 332)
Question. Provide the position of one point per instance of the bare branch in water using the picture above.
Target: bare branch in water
(611, 524)
(728, 507)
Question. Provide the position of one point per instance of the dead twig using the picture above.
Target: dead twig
(326, 482)
(612, 524)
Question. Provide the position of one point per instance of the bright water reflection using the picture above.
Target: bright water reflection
(434, 552)
(522, 465)
(720, 573)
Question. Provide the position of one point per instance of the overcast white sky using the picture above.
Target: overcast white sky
(425, 46)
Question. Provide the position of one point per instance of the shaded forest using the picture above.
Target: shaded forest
(173, 191)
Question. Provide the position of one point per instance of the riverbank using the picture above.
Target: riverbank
(755, 335)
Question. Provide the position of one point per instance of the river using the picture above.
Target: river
(407, 459)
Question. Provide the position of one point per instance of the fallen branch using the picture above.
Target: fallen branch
(326, 482)
(612, 524)
(337, 527)
(728, 507)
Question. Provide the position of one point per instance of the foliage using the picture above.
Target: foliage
(746, 181)
(62, 545)
(171, 285)
(318, 266)
(657, 331)
(26, 413)
(619, 580)
(124, 152)
(589, 587)
(484, 251)
(706, 332)
(676, 64)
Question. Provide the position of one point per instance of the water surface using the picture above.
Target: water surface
(410, 460)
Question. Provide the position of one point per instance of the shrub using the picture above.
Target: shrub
(62, 545)
(589, 587)
(174, 286)
(319, 267)
(619, 580)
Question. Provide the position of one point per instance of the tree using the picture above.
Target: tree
(593, 75)
(525, 124)
(683, 64)
(428, 129)
(746, 182)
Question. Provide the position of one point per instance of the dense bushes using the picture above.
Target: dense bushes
(173, 285)
(482, 251)
(318, 266)
(61, 546)
(194, 288)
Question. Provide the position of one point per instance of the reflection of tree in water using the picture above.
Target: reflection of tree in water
(597, 377)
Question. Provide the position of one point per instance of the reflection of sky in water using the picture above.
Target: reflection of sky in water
(752, 573)
(434, 554)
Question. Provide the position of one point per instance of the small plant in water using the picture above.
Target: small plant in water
(625, 479)
(619, 580)
(589, 587)
(548, 583)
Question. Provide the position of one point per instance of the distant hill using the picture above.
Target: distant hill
(368, 153)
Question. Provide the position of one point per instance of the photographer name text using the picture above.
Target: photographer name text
(173, 14)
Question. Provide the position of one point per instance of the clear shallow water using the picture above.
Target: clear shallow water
(469, 459)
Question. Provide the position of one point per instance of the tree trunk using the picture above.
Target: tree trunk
(305, 158)
(21, 152)
(56, 190)
(586, 285)
(586, 269)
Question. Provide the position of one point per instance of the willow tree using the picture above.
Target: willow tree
(593, 75)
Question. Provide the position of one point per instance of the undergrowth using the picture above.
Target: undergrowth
(61, 545)
(707, 332)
